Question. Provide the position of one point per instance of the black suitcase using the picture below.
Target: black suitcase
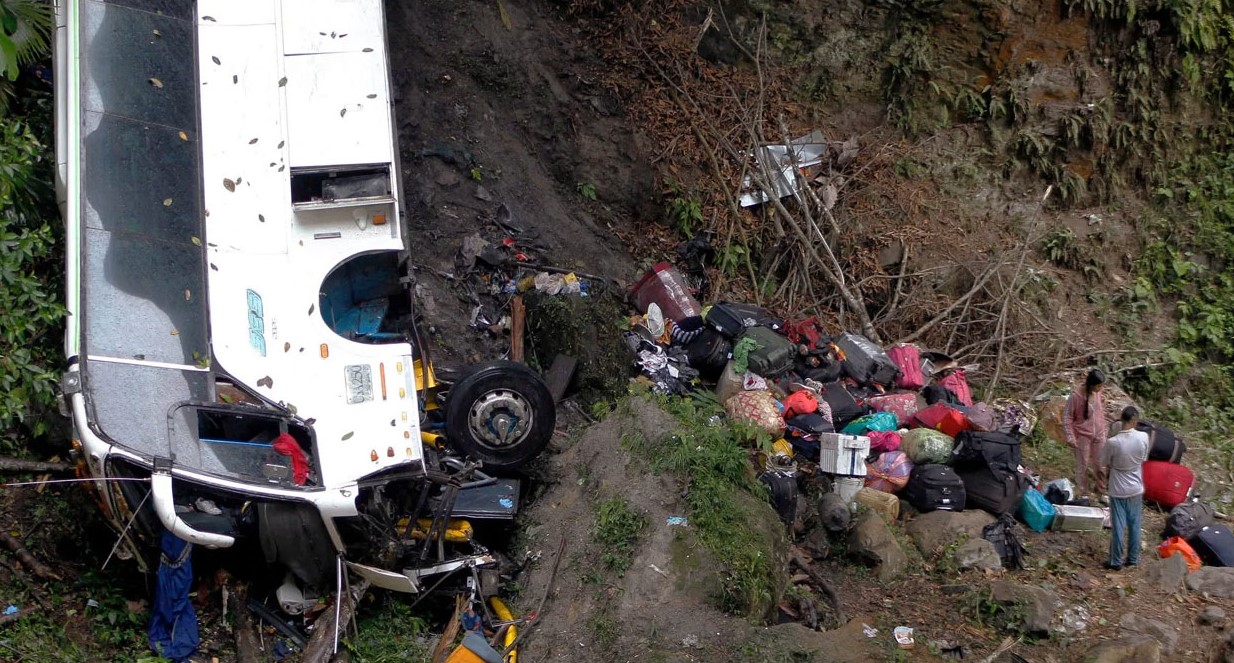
(819, 366)
(783, 489)
(994, 450)
(1215, 545)
(994, 490)
(774, 354)
(732, 319)
(1162, 443)
(708, 352)
(934, 488)
(865, 362)
(1187, 519)
(844, 407)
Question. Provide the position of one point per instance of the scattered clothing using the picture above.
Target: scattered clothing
(173, 621)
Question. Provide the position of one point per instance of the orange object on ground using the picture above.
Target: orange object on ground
(1178, 545)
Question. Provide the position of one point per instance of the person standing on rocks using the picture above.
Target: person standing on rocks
(1124, 456)
(1085, 427)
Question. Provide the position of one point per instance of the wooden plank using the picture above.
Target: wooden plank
(559, 376)
(518, 325)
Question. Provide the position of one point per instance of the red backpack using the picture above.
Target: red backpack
(957, 382)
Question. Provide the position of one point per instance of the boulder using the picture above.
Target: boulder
(833, 512)
(933, 531)
(1169, 574)
(1212, 616)
(1131, 649)
(1036, 604)
(978, 554)
(1164, 634)
(816, 544)
(872, 541)
(1215, 581)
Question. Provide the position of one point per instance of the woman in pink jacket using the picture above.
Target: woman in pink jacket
(1085, 427)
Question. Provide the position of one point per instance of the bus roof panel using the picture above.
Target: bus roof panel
(338, 109)
(330, 26)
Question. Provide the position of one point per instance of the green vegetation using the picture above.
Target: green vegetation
(30, 258)
(586, 328)
(586, 190)
(392, 634)
(726, 505)
(617, 528)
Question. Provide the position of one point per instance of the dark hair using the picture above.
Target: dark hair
(1095, 378)
(1130, 413)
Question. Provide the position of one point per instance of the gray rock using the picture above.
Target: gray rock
(816, 544)
(933, 531)
(978, 554)
(871, 540)
(1169, 574)
(1037, 605)
(1212, 616)
(1163, 633)
(1131, 649)
(1212, 580)
(448, 179)
(483, 194)
(833, 512)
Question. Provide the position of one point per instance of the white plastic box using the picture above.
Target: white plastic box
(843, 454)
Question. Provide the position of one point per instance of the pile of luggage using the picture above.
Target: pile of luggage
(884, 425)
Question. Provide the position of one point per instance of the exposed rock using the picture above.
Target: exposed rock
(1212, 580)
(833, 512)
(483, 194)
(1212, 616)
(1169, 574)
(1131, 649)
(1036, 604)
(1083, 581)
(978, 554)
(816, 544)
(871, 540)
(448, 179)
(1163, 633)
(932, 531)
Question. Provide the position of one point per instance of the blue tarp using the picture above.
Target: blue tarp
(173, 625)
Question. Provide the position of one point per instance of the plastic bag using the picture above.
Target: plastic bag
(883, 440)
(889, 472)
(1178, 545)
(879, 421)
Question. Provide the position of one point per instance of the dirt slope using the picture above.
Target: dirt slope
(490, 116)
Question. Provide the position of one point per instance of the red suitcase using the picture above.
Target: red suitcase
(908, 358)
(942, 418)
(1166, 483)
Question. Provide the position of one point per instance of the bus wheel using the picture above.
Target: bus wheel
(501, 414)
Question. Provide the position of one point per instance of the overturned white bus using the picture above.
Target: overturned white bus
(242, 346)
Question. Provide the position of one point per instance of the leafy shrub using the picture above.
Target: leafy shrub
(30, 277)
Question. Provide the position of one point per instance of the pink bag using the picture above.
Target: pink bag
(882, 441)
(889, 472)
(903, 405)
(908, 358)
(757, 408)
(957, 382)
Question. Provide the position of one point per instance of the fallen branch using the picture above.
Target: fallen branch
(829, 592)
(19, 465)
(954, 305)
(38, 568)
(247, 649)
(535, 615)
(320, 648)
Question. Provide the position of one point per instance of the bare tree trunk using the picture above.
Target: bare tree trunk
(247, 649)
(320, 648)
(19, 465)
(40, 569)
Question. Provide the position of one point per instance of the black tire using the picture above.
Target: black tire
(500, 399)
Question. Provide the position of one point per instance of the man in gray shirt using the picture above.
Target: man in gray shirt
(1124, 456)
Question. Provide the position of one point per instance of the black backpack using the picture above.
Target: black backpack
(708, 352)
(997, 451)
(1187, 519)
(1002, 533)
